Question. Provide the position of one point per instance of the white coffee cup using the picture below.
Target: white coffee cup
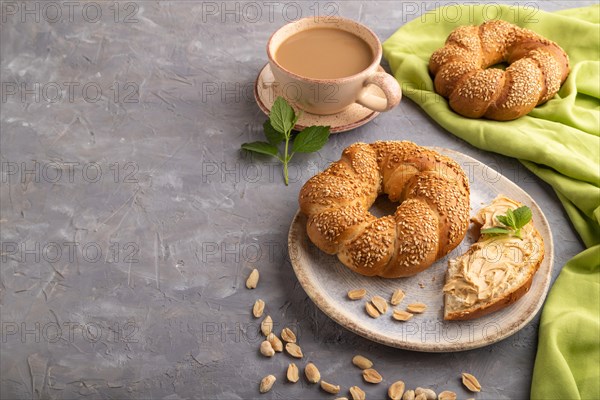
(330, 96)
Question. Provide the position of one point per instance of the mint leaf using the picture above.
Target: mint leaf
(495, 231)
(282, 116)
(514, 220)
(503, 220)
(510, 217)
(273, 136)
(278, 128)
(297, 117)
(522, 216)
(311, 139)
(261, 147)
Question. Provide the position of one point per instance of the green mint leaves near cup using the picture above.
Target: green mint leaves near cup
(513, 221)
(278, 128)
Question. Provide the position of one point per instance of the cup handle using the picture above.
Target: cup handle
(390, 87)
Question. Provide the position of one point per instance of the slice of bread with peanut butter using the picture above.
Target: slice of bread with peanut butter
(496, 271)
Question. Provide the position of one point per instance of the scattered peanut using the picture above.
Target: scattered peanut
(396, 390)
(400, 315)
(362, 362)
(312, 373)
(447, 395)
(380, 303)
(266, 349)
(294, 350)
(292, 373)
(471, 382)
(357, 393)
(275, 342)
(266, 326)
(429, 394)
(397, 297)
(371, 310)
(288, 335)
(267, 383)
(330, 388)
(372, 376)
(416, 308)
(259, 307)
(252, 280)
(356, 294)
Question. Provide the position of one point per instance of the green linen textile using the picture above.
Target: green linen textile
(560, 143)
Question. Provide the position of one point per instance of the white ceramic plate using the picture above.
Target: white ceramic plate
(327, 281)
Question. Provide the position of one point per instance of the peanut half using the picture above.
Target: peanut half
(275, 342)
(428, 393)
(267, 383)
(288, 335)
(258, 308)
(380, 303)
(447, 395)
(372, 376)
(397, 297)
(292, 373)
(330, 388)
(409, 395)
(371, 310)
(266, 326)
(416, 308)
(396, 390)
(357, 393)
(312, 373)
(362, 362)
(252, 280)
(266, 349)
(400, 315)
(294, 350)
(357, 294)
(471, 382)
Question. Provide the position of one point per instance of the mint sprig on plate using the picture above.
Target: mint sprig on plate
(512, 222)
(278, 128)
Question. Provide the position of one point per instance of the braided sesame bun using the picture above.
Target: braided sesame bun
(430, 221)
(537, 69)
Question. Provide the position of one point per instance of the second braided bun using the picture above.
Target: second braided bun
(537, 69)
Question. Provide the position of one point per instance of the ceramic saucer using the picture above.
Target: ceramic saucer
(265, 93)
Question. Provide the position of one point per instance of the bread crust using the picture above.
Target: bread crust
(537, 69)
(431, 220)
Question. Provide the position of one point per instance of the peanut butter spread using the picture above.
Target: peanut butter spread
(494, 264)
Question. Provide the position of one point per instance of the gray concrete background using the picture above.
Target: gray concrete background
(130, 218)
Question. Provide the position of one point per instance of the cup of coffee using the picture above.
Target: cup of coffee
(325, 64)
